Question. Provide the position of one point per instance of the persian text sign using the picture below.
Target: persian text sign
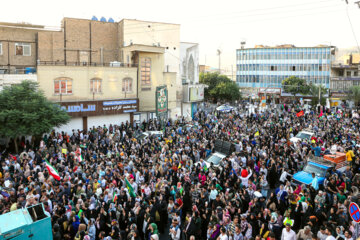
(98, 108)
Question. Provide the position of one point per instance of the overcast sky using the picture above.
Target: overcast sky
(214, 24)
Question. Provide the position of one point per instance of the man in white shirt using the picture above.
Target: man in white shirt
(175, 230)
(328, 233)
(288, 233)
(223, 235)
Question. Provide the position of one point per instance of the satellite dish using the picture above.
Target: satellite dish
(102, 19)
(111, 20)
(94, 18)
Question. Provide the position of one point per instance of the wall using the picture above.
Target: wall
(158, 78)
(107, 120)
(187, 51)
(9, 79)
(150, 33)
(11, 35)
(82, 35)
(111, 82)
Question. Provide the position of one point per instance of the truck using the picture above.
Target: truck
(321, 167)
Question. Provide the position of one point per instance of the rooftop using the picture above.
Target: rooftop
(285, 46)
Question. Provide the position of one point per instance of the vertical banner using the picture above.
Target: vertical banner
(161, 98)
(193, 109)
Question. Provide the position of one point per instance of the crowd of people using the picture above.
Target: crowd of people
(115, 185)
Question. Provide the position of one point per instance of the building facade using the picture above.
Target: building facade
(344, 76)
(97, 63)
(267, 67)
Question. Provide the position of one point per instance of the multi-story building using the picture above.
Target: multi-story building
(267, 67)
(343, 77)
(18, 52)
(106, 72)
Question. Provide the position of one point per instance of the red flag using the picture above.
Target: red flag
(299, 114)
(321, 113)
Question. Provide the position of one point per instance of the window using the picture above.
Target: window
(1, 48)
(127, 85)
(63, 85)
(22, 49)
(95, 85)
(145, 71)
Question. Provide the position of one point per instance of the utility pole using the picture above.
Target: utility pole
(319, 94)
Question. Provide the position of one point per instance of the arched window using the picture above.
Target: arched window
(95, 85)
(127, 85)
(63, 85)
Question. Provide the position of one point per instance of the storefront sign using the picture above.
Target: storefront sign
(270, 90)
(98, 108)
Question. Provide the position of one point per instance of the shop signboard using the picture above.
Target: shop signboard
(98, 108)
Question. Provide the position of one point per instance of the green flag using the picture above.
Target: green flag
(80, 212)
(130, 188)
(205, 168)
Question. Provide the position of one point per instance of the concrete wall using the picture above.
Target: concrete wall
(189, 71)
(149, 33)
(111, 82)
(158, 78)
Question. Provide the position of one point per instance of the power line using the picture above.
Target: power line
(352, 29)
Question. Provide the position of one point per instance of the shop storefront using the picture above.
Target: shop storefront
(89, 114)
(270, 95)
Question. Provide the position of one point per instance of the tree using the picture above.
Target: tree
(226, 91)
(314, 90)
(24, 111)
(219, 87)
(295, 85)
(354, 95)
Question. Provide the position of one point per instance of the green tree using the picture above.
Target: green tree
(226, 91)
(295, 85)
(220, 87)
(24, 111)
(314, 90)
(354, 95)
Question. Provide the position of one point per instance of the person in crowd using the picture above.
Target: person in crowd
(111, 182)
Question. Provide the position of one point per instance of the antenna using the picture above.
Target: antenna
(219, 54)
(243, 43)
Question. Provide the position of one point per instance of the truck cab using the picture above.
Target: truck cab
(302, 136)
(321, 167)
(305, 176)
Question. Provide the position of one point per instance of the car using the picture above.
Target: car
(302, 136)
(225, 108)
(215, 160)
(147, 134)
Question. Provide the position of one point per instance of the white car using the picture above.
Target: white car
(301, 136)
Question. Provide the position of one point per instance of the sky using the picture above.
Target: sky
(220, 24)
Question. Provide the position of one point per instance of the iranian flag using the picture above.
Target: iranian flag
(80, 158)
(114, 199)
(52, 171)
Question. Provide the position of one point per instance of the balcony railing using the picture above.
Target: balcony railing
(86, 64)
(345, 78)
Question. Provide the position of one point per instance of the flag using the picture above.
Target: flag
(205, 168)
(299, 114)
(257, 134)
(52, 171)
(130, 188)
(321, 114)
(179, 166)
(80, 212)
(114, 197)
(80, 158)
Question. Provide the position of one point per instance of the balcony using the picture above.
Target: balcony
(87, 64)
(356, 78)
